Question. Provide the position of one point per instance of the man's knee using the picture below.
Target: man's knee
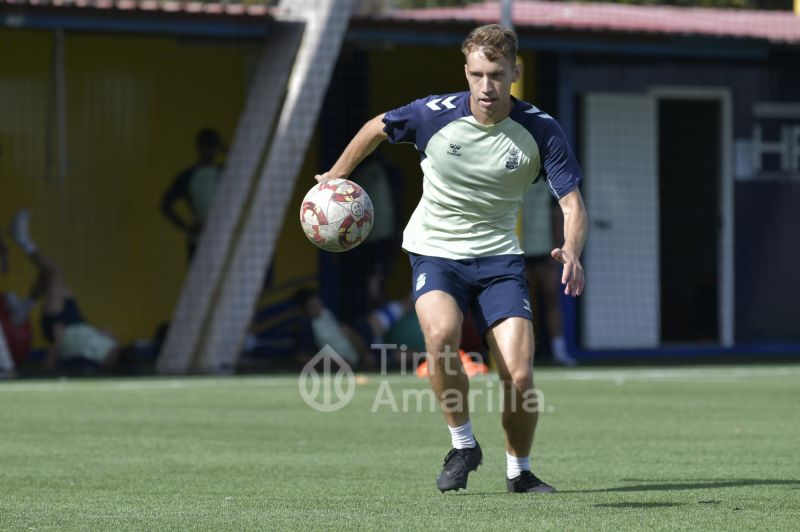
(520, 378)
(441, 337)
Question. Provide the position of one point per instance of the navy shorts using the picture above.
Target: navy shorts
(494, 288)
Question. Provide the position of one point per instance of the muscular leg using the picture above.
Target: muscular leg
(512, 342)
(441, 319)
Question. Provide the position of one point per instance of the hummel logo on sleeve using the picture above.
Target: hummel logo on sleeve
(447, 102)
(536, 111)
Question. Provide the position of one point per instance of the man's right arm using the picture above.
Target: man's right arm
(366, 140)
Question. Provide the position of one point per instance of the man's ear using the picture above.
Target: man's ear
(517, 73)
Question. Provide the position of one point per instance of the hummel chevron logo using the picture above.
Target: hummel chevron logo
(535, 110)
(447, 102)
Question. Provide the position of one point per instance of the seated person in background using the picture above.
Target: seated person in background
(74, 343)
(351, 343)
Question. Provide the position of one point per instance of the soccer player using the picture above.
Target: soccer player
(481, 149)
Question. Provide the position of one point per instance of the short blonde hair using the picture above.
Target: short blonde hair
(494, 41)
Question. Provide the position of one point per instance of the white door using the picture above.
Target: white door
(621, 304)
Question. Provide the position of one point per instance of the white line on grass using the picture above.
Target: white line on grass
(683, 374)
(700, 373)
(188, 383)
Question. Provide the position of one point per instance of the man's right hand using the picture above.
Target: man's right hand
(330, 174)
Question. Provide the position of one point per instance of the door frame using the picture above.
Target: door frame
(624, 300)
(726, 310)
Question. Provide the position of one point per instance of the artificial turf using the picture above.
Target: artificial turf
(678, 448)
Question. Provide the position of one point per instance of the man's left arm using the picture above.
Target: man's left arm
(575, 228)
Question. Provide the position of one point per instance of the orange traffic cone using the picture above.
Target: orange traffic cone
(471, 368)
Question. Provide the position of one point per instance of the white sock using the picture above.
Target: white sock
(462, 437)
(516, 465)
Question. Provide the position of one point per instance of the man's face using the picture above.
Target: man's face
(490, 86)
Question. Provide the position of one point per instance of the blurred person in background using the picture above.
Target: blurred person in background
(195, 187)
(540, 229)
(351, 341)
(75, 345)
(369, 265)
(14, 322)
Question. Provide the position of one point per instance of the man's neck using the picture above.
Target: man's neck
(487, 120)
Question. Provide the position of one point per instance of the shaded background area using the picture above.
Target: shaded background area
(91, 149)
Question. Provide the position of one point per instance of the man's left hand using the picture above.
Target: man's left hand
(573, 276)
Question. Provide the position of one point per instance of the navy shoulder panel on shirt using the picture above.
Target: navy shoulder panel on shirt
(418, 121)
(559, 165)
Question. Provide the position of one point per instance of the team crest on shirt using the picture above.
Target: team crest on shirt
(512, 158)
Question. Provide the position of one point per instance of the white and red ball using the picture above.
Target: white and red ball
(336, 215)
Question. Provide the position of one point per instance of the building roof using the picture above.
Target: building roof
(772, 26)
(152, 6)
(211, 18)
(552, 16)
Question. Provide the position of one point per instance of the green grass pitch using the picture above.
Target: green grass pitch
(673, 448)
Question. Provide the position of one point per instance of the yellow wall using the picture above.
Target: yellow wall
(134, 105)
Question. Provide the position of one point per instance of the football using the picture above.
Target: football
(336, 215)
